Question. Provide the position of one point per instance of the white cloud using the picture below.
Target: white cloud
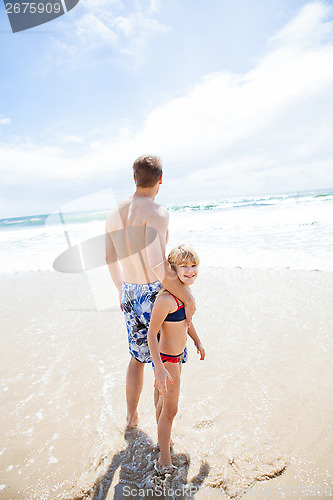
(154, 5)
(225, 108)
(29, 163)
(138, 29)
(5, 121)
(126, 27)
(93, 32)
(269, 129)
(72, 139)
(309, 27)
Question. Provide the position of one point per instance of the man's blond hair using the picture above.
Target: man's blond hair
(147, 170)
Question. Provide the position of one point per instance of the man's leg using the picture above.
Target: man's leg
(134, 383)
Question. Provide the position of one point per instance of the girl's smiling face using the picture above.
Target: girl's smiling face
(187, 272)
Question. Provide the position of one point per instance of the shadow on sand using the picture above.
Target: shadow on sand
(138, 477)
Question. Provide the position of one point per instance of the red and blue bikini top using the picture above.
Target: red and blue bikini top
(179, 314)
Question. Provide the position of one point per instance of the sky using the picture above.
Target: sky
(236, 97)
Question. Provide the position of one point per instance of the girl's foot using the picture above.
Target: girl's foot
(163, 469)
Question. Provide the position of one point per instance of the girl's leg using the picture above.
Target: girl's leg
(157, 403)
(158, 408)
(168, 413)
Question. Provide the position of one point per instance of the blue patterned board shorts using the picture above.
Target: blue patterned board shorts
(137, 302)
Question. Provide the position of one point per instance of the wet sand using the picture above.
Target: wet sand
(255, 418)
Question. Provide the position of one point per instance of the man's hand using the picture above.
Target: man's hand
(201, 351)
(190, 310)
(161, 377)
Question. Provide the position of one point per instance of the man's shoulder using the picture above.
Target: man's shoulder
(113, 215)
(153, 210)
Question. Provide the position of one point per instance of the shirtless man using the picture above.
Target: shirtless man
(136, 237)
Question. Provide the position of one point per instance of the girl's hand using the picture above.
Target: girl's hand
(201, 351)
(161, 377)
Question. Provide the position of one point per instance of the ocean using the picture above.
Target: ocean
(290, 230)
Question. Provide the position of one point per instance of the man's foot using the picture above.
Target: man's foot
(132, 422)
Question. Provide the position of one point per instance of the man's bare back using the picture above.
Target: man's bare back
(130, 232)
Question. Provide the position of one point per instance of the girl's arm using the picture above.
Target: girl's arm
(160, 311)
(197, 342)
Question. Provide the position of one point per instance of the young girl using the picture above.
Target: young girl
(168, 317)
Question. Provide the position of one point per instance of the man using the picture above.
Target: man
(136, 237)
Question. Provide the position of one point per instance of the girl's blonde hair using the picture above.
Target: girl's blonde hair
(180, 255)
(183, 254)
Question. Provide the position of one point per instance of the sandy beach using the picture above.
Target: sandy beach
(254, 421)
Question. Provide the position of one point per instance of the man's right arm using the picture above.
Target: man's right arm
(158, 221)
(113, 264)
